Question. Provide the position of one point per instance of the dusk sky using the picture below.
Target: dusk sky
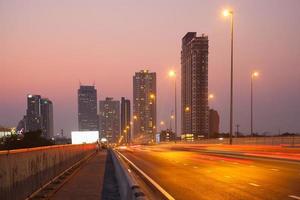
(48, 47)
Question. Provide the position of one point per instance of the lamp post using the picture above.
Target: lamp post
(172, 74)
(230, 13)
(253, 75)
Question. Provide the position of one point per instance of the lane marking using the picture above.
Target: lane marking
(254, 184)
(195, 167)
(294, 197)
(155, 184)
(129, 170)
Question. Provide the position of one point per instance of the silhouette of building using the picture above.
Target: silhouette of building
(144, 106)
(214, 123)
(109, 115)
(33, 113)
(125, 119)
(194, 85)
(47, 118)
(87, 109)
(39, 116)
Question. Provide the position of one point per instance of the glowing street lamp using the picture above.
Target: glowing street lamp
(152, 96)
(187, 109)
(253, 75)
(172, 74)
(211, 96)
(227, 13)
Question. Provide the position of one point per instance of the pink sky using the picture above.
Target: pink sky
(48, 46)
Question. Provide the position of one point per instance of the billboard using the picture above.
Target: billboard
(84, 137)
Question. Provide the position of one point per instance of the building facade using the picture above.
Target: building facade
(39, 116)
(214, 123)
(47, 118)
(33, 113)
(125, 119)
(144, 106)
(87, 109)
(194, 85)
(109, 119)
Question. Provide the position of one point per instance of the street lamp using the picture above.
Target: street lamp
(227, 13)
(172, 74)
(253, 75)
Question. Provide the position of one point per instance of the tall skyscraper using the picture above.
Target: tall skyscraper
(87, 108)
(33, 113)
(194, 85)
(144, 106)
(39, 116)
(125, 119)
(47, 118)
(109, 115)
(214, 123)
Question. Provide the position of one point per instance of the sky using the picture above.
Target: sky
(49, 47)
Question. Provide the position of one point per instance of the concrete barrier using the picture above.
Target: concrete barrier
(23, 171)
(128, 187)
(271, 140)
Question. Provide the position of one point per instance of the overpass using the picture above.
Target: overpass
(198, 170)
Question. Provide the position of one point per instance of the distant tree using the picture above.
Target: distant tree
(28, 140)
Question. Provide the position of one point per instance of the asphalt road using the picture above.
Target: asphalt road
(195, 175)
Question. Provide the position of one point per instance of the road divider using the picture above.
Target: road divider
(159, 191)
(128, 186)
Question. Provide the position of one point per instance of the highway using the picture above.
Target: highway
(198, 175)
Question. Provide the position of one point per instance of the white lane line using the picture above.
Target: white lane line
(155, 184)
(276, 170)
(294, 197)
(195, 167)
(129, 170)
(254, 184)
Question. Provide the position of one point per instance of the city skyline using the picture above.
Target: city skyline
(276, 99)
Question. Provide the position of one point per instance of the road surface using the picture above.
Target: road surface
(198, 175)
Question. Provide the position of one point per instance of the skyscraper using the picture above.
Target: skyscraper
(33, 113)
(47, 118)
(194, 85)
(87, 108)
(39, 116)
(144, 106)
(214, 123)
(109, 115)
(125, 119)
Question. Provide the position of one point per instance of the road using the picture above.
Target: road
(197, 175)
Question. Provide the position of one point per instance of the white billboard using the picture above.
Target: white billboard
(84, 137)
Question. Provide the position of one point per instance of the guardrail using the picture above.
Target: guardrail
(128, 187)
(24, 171)
(271, 140)
(157, 190)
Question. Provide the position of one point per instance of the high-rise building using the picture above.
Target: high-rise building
(47, 118)
(194, 85)
(214, 122)
(144, 106)
(39, 116)
(33, 113)
(87, 108)
(109, 117)
(125, 119)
